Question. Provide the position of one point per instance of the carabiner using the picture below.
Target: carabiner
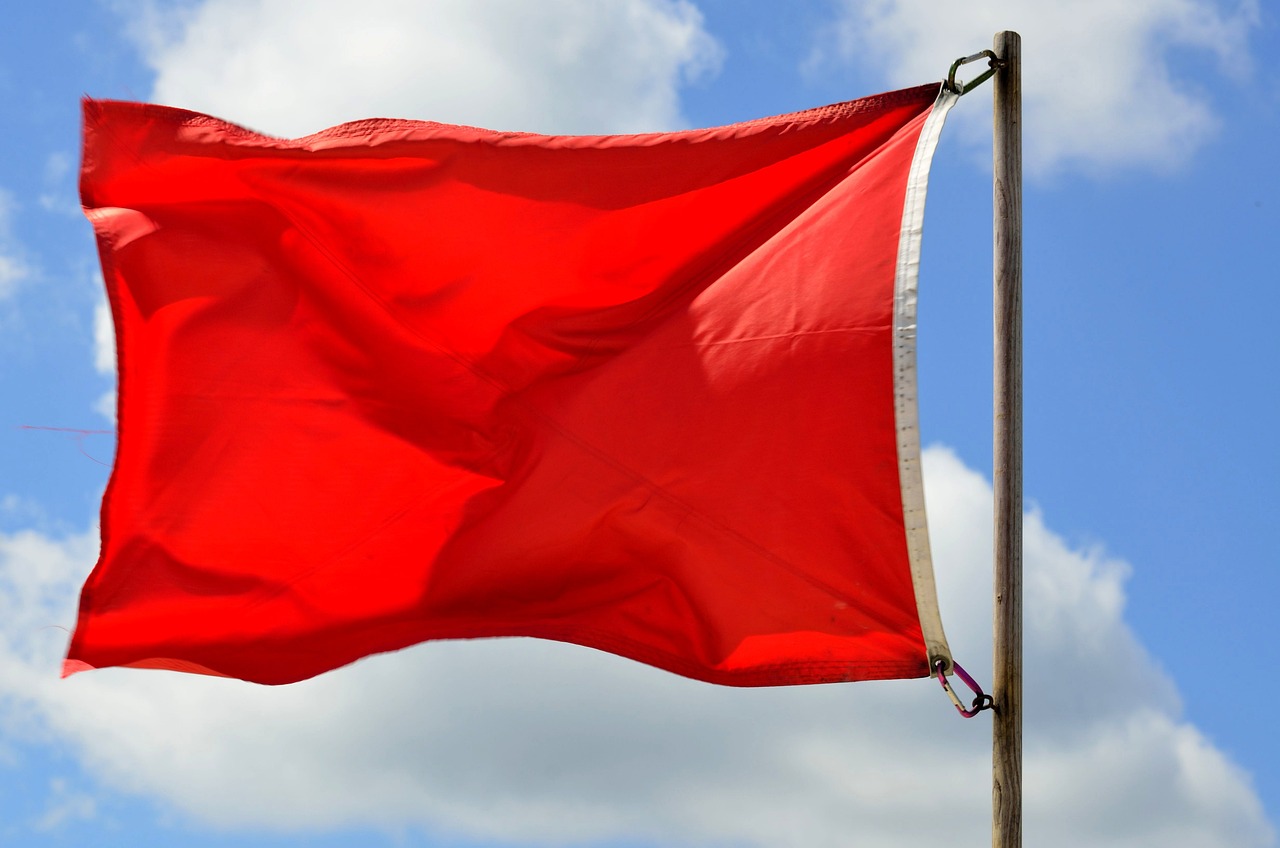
(962, 88)
(982, 701)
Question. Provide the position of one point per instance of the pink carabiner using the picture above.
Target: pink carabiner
(982, 701)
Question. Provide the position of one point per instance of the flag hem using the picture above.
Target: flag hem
(906, 406)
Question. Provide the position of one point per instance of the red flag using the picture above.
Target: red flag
(401, 381)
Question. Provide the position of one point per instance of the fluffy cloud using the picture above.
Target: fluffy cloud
(292, 67)
(540, 743)
(104, 355)
(12, 267)
(65, 805)
(1099, 84)
(104, 337)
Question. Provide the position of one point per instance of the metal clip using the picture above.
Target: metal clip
(982, 701)
(962, 88)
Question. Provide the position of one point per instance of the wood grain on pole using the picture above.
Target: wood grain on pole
(1006, 811)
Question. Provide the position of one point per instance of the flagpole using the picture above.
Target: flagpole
(1006, 740)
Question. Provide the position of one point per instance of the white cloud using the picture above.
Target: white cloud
(65, 805)
(292, 67)
(1100, 86)
(13, 269)
(105, 405)
(542, 743)
(16, 510)
(59, 194)
(104, 354)
(104, 337)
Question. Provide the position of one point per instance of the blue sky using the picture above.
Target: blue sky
(1151, 286)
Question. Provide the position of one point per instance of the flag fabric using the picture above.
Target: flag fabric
(401, 381)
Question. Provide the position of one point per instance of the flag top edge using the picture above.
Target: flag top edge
(234, 133)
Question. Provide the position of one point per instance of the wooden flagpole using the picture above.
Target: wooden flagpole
(1006, 741)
